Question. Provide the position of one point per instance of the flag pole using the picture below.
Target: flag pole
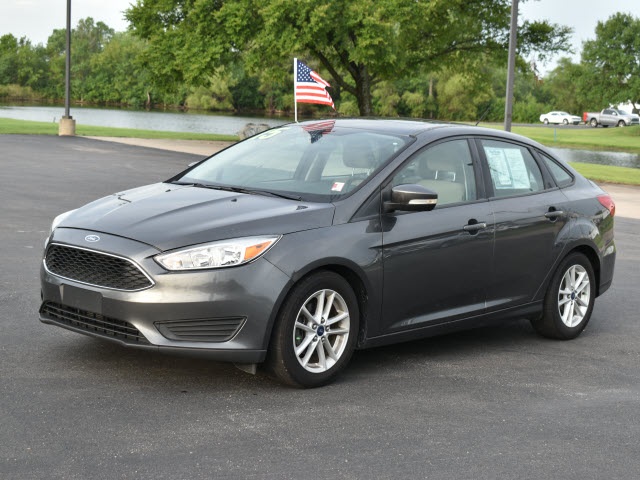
(295, 79)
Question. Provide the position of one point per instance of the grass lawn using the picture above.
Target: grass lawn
(608, 174)
(625, 139)
(8, 125)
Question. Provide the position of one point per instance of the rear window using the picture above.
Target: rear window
(512, 168)
(559, 174)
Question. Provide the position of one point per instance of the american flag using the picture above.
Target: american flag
(310, 87)
(317, 129)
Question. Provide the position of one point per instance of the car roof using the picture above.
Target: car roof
(416, 127)
(395, 126)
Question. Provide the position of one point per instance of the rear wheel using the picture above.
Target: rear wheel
(565, 122)
(315, 332)
(593, 123)
(569, 299)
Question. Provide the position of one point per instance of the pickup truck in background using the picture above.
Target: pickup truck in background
(610, 117)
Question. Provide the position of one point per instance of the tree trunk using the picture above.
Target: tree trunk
(363, 92)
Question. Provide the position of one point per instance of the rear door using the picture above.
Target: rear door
(609, 117)
(529, 214)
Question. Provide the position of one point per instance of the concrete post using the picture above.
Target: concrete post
(67, 127)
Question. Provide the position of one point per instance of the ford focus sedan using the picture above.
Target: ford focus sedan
(304, 243)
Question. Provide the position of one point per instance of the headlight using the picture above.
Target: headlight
(60, 218)
(226, 253)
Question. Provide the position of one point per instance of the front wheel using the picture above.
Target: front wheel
(315, 332)
(546, 121)
(622, 124)
(569, 299)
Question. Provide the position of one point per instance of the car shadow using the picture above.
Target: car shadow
(112, 363)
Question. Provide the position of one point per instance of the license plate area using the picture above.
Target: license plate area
(80, 298)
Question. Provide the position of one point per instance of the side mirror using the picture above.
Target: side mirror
(413, 198)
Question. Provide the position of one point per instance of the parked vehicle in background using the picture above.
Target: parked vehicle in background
(610, 117)
(558, 117)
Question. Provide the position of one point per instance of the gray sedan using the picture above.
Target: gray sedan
(304, 243)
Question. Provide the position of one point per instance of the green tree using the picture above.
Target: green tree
(117, 74)
(564, 88)
(87, 40)
(612, 60)
(55, 58)
(21, 63)
(361, 43)
(8, 60)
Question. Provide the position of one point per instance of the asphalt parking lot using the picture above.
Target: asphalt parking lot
(495, 402)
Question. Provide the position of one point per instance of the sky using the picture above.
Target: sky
(36, 19)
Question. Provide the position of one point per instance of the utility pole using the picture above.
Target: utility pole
(511, 68)
(67, 125)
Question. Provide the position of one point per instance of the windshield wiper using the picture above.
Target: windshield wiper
(249, 191)
(276, 194)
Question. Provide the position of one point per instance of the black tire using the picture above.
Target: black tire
(565, 122)
(593, 123)
(546, 121)
(282, 359)
(622, 124)
(566, 312)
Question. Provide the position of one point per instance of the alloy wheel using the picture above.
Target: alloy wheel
(574, 295)
(321, 331)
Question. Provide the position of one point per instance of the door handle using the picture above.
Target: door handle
(554, 214)
(474, 227)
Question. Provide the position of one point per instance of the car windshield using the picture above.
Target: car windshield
(311, 161)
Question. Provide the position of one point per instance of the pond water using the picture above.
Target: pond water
(620, 159)
(231, 125)
(141, 119)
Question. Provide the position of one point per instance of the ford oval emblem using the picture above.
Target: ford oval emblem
(92, 238)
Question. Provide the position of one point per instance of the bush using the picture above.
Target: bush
(17, 92)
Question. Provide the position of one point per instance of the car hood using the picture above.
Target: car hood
(169, 216)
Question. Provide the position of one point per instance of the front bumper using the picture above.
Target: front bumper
(223, 314)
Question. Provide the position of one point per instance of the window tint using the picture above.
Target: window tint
(559, 174)
(513, 170)
(445, 168)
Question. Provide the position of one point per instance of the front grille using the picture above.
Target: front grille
(93, 322)
(95, 268)
(201, 330)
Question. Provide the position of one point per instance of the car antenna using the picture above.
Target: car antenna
(484, 114)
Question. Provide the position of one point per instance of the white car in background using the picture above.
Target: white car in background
(559, 117)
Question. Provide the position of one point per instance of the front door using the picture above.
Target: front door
(437, 264)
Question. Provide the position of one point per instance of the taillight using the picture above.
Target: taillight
(607, 202)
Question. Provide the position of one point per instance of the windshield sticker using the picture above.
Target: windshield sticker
(337, 187)
(270, 133)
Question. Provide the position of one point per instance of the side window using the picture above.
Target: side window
(559, 174)
(445, 168)
(513, 169)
